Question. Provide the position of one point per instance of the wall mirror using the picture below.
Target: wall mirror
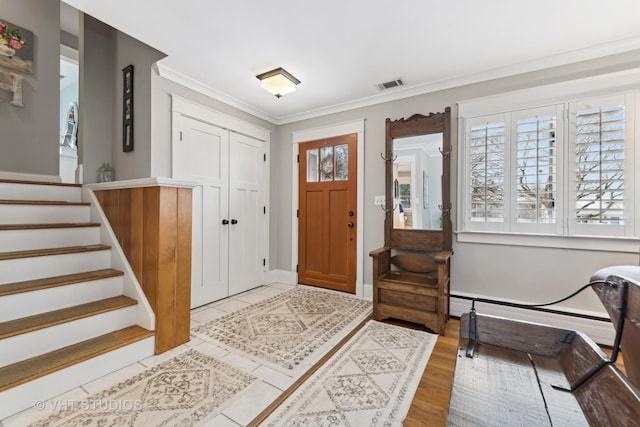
(417, 182)
(417, 199)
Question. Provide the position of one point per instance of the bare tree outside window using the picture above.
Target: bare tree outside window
(487, 172)
(600, 165)
(536, 170)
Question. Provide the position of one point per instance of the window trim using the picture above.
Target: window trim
(567, 94)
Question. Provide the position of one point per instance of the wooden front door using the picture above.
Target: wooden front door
(327, 225)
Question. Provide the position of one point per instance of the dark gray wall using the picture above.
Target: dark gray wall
(97, 96)
(136, 163)
(104, 52)
(29, 134)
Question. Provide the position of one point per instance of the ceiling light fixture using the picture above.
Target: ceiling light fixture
(278, 82)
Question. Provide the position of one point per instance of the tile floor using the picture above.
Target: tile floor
(239, 413)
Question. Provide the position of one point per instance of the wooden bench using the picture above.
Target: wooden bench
(411, 286)
(525, 374)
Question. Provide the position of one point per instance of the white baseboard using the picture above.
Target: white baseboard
(367, 291)
(29, 177)
(270, 276)
(282, 276)
(599, 331)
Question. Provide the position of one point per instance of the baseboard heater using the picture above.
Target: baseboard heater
(529, 307)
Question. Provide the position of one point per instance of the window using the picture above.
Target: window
(563, 169)
(487, 165)
(602, 176)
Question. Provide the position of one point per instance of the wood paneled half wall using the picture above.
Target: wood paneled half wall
(153, 226)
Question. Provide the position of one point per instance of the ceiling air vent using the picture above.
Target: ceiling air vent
(391, 84)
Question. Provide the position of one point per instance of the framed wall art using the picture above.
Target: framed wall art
(127, 108)
(16, 47)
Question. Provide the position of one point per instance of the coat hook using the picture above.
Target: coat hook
(388, 160)
(445, 154)
(445, 212)
(388, 210)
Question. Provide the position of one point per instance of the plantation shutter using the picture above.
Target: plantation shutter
(600, 154)
(487, 153)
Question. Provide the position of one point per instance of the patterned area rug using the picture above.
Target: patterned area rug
(290, 331)
(369, 382)
(186, 390)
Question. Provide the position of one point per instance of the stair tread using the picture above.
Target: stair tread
(39, 366)
(51, 282)
(57, 184)
(42, 202)
(52, 251)
(52, 225)
(39, 321)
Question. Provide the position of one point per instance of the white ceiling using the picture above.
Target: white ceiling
(342, 49)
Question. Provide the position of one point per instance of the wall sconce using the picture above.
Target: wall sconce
(278, 82)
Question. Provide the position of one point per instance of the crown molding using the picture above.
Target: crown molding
(193, 84)
(564, 58)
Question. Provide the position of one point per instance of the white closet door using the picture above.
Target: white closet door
(202, 156)
(246, 199)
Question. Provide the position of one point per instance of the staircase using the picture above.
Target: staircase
(64, 320)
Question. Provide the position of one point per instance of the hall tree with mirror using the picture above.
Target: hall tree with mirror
(411, 272)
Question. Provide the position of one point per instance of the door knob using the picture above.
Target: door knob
(234, 221)
(225, 221)
(350, 224)
(350, 213)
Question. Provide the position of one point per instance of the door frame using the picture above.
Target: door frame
(308, 135)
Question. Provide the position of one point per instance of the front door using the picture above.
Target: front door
(327, 213)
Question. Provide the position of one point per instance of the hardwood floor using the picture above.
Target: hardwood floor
(431, 401)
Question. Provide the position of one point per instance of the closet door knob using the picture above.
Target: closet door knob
(350, 224)
(234, 221)
(225, 221)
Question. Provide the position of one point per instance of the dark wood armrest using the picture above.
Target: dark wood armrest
(380, 262)
(442, 257)
(376, 252)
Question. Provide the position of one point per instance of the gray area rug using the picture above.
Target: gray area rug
(371, 381)
(187, 390)
(290, 331)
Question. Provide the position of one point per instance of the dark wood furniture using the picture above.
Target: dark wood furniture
(411, 272)
(523, 374)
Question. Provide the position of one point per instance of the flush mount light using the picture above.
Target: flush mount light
(278, 82)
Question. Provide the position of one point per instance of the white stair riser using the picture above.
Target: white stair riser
(43, 214)
(44, 238)
(31, 344)
(11, 191)
(18, 270)
(40, 301)
(23, 396)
